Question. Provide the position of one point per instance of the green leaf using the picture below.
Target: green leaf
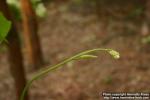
(4, 27)
(87, 57)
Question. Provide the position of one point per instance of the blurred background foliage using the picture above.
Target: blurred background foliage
(37, 5)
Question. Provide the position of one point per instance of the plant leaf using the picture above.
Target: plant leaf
(4, 27)
(87, 57)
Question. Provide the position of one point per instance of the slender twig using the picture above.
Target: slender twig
(83, 55)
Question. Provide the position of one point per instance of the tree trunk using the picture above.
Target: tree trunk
(30, 27)
(15, 56)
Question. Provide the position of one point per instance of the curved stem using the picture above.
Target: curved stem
(59, 65)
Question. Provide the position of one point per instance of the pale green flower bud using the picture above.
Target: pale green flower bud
(114, 54)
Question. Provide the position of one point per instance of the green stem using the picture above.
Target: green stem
(52, 68)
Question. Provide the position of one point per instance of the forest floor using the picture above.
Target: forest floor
(66, 32)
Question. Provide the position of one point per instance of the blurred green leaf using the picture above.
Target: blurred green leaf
(4, 27)
(146, 40)
(136, 12)
(38, 6)
(108, 80)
